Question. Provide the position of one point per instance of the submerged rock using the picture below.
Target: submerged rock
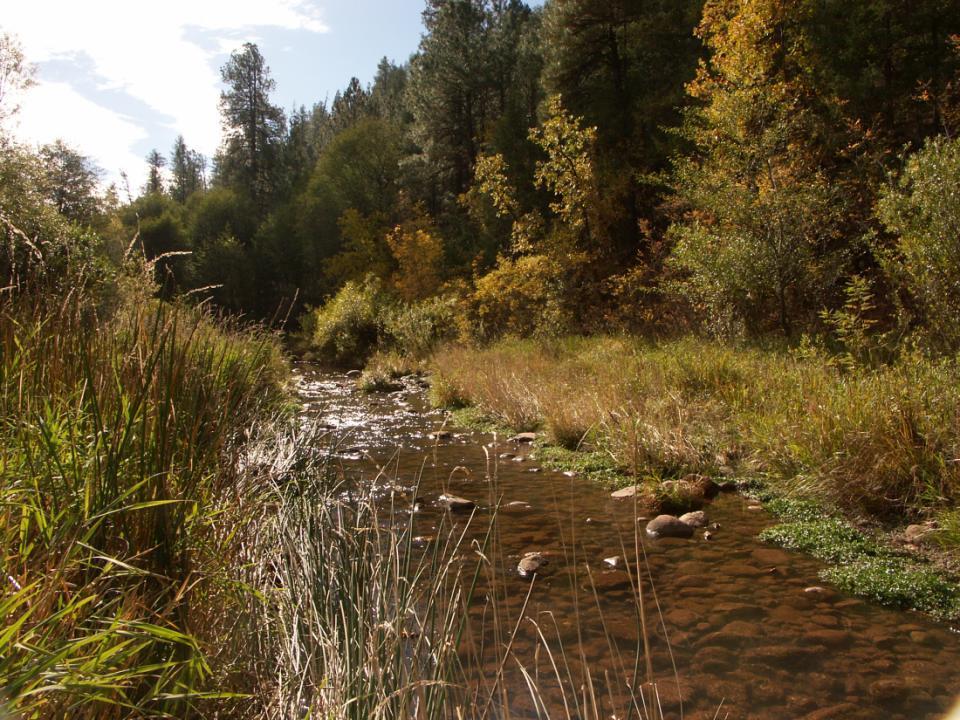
(531, 563)
(668, 526)
(457, 504)
(441, 435)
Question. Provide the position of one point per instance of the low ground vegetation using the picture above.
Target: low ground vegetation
(834, 447)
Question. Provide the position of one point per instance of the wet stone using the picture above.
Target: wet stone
(523, 438)
(680, 618)
(696, 519)
(830, 638)
(531, 563)
(668, 526)
(456, 504)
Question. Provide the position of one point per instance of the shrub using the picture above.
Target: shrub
(520, 297)
(923, 208)
(416, 329)
(347, 329)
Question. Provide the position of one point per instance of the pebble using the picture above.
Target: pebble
(614, 562)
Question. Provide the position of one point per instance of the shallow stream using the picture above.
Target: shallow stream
(753, 633)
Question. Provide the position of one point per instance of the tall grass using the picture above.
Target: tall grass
(119, 503)
(883, 441)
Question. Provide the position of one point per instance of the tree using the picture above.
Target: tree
(155, 163)
(464, 78)
(16, 74)
(253, 127)
(761, 211)
(350, 106)
(622, 66)
(188, 169)
(70, 182)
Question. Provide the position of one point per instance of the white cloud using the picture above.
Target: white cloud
(142, 48)
(56, 110)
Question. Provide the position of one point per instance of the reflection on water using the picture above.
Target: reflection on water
(751, 629)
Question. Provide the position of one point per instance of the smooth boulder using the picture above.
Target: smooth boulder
(668, 526)
(695, 519)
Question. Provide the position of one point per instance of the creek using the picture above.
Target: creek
(753, 633)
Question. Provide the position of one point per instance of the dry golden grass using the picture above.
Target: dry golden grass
(885, 441)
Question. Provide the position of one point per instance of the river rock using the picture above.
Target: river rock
(354, 373)
(715, 659)
(518, 505)
(696, 519)
(507, 456)
(830, 638)
(668, 526)
(530, 564)
(457, 504)
(524, 437)
(625, 493)
(888, 689)
(441, 435)
(614, 562)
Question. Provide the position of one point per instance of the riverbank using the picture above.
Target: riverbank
(125, 509)
(861, 463)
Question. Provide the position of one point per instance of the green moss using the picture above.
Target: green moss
(827, 539)
(593, 464)
(897, 583)
(795, 510)
(473, 418)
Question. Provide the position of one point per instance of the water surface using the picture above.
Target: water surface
(753, 633)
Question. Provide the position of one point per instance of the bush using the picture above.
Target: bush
(520, 297)
(923, 208)
(348, 328)
(416, 329)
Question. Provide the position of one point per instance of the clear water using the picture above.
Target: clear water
(747, 639)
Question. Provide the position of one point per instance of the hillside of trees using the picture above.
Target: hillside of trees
(754, 169)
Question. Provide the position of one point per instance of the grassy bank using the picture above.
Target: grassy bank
(877, 447)
(122, 508)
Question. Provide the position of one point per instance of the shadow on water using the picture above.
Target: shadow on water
(735, 628)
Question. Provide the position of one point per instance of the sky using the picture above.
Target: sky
(118, 78)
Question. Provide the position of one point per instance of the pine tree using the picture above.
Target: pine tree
(155, 164)
(253, 127)
(188, 169)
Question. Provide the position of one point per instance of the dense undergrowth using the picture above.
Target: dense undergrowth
(122, 511)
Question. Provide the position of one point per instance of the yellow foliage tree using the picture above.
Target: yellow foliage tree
(418, 252)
